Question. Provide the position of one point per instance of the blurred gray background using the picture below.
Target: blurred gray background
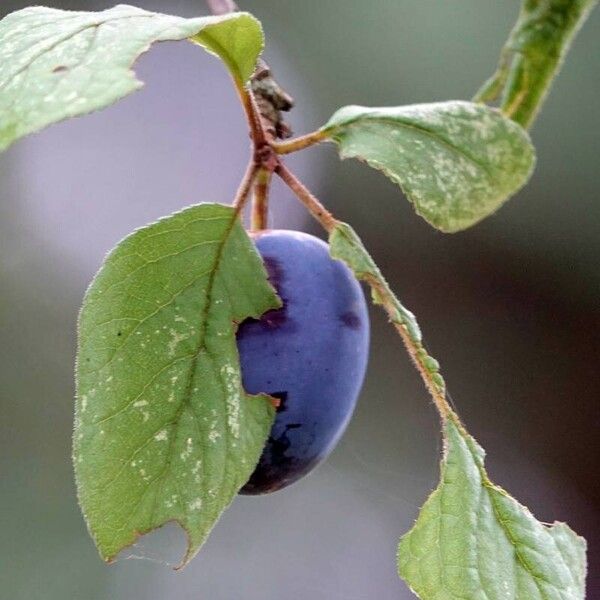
(510, 307)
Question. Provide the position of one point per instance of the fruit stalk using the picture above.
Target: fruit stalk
(260, 203)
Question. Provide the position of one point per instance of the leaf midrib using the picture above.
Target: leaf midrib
(186, 400)
(489, 487)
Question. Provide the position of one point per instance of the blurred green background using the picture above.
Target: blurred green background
(510, 307)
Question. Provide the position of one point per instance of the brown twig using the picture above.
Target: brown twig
(245, 186)
(312, 203)
(270, 98)
(299, 143)
(260, 203)
(262, 104)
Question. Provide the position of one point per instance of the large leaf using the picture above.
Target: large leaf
(163, 428)
(473, 541)
(56, 64)
(457, 162)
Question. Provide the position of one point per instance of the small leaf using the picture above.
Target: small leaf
(56, 64)
(163, 428)
(457, 162)
(473, 541)
(346, 246)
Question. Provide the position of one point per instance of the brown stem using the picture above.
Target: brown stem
(314, 206)
(299, 143)
(267, 97)
(257, 131)
(382, 292)
(245, 186)
(414, 348)
(260, 202)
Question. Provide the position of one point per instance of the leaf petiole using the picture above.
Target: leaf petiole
(300, 143)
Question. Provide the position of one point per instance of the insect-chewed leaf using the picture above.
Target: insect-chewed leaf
(163, 428)
(472, 540)
(56, 64)
(456, 161)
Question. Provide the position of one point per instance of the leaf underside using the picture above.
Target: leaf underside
(456, 161)
(472, 541)
(56, 64)
(163, 428)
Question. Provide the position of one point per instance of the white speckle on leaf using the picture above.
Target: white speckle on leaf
(171, 502)
(161, 436)
(232, 383)
(195, 504)
(187, 450)
(176, 339)
(140, 403)
(83, 403)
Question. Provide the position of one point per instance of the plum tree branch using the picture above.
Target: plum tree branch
(383, 295)
(263, 101)
(265, 160)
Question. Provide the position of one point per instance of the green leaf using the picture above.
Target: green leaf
(473, 541)
(457, 162)
(533, 55)
(56, 64)
(163, 429)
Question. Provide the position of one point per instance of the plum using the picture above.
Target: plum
(311, 354)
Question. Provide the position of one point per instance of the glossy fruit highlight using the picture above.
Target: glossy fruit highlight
(311, 354)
